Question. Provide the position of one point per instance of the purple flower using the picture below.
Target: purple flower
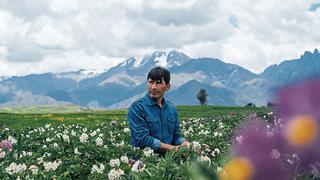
(298, 100)
(5, 144)
(262, 147)
(132, 161)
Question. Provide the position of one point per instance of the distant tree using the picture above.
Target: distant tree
(250, 105)
(202, 96)
(269, 104)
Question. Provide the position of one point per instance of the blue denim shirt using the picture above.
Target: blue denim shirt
(151, 124)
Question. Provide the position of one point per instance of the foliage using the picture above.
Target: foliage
(202, 96)
(55, 139)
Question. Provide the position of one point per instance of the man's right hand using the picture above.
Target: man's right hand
(166, 147)
(185, 144)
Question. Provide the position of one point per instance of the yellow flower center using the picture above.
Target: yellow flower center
(239, 168)
(301, 130)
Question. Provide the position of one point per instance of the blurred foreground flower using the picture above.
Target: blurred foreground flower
(239, 168)
(290, 147)
(301, 131)
(260, 147)
(299, 109)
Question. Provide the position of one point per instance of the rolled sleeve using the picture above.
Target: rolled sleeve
(180, 140)
(156, 144)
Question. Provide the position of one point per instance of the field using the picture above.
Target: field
(84, 144)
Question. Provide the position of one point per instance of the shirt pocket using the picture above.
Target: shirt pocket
(170, 122)
(154, 125)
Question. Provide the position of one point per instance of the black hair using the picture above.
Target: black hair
(158, 73)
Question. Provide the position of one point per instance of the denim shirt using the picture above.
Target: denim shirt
(151, 124)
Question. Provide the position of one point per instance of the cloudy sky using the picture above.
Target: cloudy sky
(39, 36)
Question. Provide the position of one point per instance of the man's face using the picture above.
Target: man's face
(156, 89)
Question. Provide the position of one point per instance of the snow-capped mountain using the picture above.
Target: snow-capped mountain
(3, 78)
(118, 87)
(79, 75)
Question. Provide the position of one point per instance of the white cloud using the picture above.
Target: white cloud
(55, 35)
(49, 37)
(67, 61)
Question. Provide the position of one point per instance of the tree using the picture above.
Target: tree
(269, 104)
(250, 105)
(202, 96)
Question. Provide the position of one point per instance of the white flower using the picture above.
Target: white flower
(46, 154)
(47, 126)
(138, 166)
(2, 153)
(290, 161)
(34, 169)
(65, 131)
(125, 159)
(114, 162)
(221, 126)
(93, 133)
(202, 132)
(12, 140)
(97, 169)
(270, 134)
(65, 138)
(215, 134)
(48, 139)
(196, 145)
(73, 133)
(84, 130)
(100, 135)
(295, 156)
(55, 145)
(115, 174)
(48, 166)
(274, 154)
(148, 152)
(270, 113)
(76, 152)
(58, 135)
(126, 130)
(239, 139)
(215, 152)
(40, 160)
(205, 158)
(121, 144)
(99, 141)
(220, 134)
(16, 168)
(84, 137)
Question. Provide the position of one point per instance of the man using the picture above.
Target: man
(153, 120)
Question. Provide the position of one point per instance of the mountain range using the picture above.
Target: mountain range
(226, 84)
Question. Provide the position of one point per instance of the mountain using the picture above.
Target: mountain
(187, 94)
(290, 71)
(78, 75)
(226, 84)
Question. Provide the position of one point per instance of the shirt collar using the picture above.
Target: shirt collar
(152, 102)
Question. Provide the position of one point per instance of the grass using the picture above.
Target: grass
(23, 118)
